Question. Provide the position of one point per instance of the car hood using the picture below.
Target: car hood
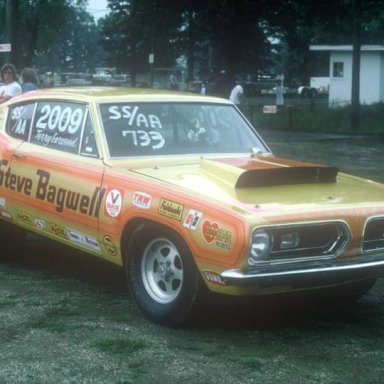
(267, 183)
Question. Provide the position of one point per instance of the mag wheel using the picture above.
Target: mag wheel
(162, 275)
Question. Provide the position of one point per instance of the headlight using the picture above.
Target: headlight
(260, 246)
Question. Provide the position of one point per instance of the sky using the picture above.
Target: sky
(97, 8)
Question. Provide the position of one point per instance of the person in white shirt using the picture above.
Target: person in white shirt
(11, 86)
(237, 95)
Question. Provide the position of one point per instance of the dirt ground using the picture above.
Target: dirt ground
(67, 318)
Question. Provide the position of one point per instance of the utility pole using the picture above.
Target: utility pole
(8, 28)
(355, 95)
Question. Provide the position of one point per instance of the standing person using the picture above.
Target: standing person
(203, 89)
(11, 87)
(29, 80)
(280, 89)
(174, 83)
(237, 95)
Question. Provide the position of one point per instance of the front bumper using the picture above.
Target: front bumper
(308, 275)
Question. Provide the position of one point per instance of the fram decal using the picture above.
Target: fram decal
(113, 203)
(2, 202)
(213, 233)
(192, 219)
(171, 209)
(142, 200)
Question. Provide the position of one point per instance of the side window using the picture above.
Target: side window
(338, 69)
(88, 143)
(58, 125)
(19, 121)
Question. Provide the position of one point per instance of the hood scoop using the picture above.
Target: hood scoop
(268, 172)
(286, 176)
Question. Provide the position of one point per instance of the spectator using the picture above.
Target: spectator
(237, 95)
(29, 80)
(11, 86)
(174, 83)
(280, 89)
(203, 89)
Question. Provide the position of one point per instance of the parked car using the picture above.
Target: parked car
(319, 86)
(182, 192)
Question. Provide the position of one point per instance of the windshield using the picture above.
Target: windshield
(150, 129)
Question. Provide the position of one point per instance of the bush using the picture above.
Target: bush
(319, 118)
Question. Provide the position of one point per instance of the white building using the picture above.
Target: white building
(340, 72)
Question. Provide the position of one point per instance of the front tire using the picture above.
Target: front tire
(162, 275)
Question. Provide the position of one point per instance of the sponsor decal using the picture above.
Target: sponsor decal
(109, 245)
(61, 198)
(39, 223)
(214, 278)
(213, 233)
(113, 203)
(171, 209)
(83, 240)
(142, 200)
(6, 215)
(24, 218)
(2, 202)
(57, 230)
(192, 219)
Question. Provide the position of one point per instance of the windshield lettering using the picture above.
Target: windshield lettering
(134, 117)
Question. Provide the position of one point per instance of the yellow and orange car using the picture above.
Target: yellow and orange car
(182, 192)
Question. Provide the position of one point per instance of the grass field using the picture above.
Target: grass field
(66, 317)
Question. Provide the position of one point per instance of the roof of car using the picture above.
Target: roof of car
(104, 94)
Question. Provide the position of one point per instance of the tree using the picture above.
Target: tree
(134, 29)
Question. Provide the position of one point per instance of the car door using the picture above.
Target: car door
(57, 174)
(8, 143)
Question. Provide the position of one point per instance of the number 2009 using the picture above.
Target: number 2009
(59, 118)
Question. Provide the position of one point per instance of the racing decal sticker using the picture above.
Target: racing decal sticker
(83, 240)
(171, 209)
(57, 230)
(24, 218)
(192, 219)
(109, 245)
(6, 215)
(214, 234)
(141, 200)
(39, 223)
(113, 203)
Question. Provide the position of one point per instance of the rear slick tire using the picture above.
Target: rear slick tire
(162, 275)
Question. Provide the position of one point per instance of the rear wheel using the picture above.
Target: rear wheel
(162, 275)
(312, 93)
(304, 93)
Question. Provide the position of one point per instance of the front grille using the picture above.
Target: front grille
(315, 241)
(373, 238)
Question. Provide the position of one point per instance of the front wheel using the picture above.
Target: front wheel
(162, 275)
